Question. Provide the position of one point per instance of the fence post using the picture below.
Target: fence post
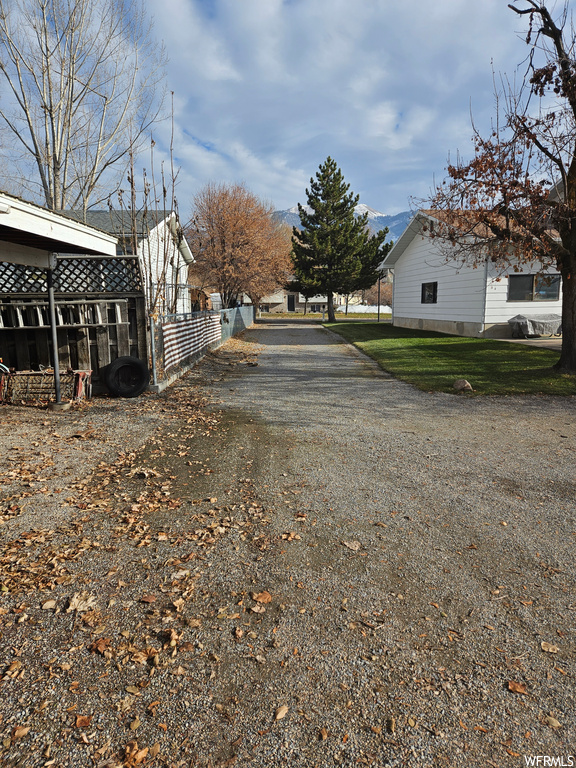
(153, 350)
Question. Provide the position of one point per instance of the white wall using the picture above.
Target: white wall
(460, 289)
(160, 256)
(500, 310)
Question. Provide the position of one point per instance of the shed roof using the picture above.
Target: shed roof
(27, 226)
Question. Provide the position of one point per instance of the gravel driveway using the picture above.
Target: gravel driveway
(295, 560)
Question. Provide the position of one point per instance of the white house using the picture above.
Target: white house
(160, 244)
(434, 293)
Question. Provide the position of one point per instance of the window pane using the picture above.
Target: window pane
(547, 289)
(429, 293)
(520, 287)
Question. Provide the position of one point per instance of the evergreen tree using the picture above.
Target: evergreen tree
(335, 252)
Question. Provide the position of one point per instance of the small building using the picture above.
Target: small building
(98, 311)
(293, 301)
(156, 237)
(433, 292)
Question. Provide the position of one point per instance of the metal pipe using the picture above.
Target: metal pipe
(52, 312)
(153, 351)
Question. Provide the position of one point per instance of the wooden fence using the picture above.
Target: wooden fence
(100, 314)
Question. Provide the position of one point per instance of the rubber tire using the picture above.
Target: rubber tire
(126, 377)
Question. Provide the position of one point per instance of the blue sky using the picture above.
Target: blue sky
(265, 90)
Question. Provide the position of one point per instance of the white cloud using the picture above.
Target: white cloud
(266, 89)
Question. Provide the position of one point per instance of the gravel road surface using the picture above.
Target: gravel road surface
(289, 558)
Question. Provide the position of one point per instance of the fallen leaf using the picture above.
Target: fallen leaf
(48, 605)
(80, 602)
(281, 712)
(262, 597)
(135, 756)
(148, 599)
(20, 731)
(323, 734)
(517, 687)
(549, 647)
(291, 536)
(552, 722)
(135, 724)
(100, 645)
(353, 545)
(83, 721)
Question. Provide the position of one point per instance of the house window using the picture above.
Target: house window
(429, 293)
(533, 288)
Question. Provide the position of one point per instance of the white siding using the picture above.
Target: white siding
(500, 310)
(164, 269)
(460, 289)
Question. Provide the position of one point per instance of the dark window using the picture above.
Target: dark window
(429, 293)
(533, 288)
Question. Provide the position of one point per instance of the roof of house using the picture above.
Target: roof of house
(119, 221)
(414, 228)
(30, 226)
(464, 222)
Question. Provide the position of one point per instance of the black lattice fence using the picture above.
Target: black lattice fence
(100, 313)
(74, 275)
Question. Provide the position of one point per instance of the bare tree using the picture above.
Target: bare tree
(370, 295)
(83, 86)
(515, 202)
(238, 245)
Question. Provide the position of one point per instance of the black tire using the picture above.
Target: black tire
(126, 377)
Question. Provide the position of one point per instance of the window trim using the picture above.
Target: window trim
(535, 277)
(433, 286)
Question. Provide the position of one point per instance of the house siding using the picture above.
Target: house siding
(157, 252)
(459, 307)
(499, 310)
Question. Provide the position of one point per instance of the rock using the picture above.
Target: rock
(462, 385)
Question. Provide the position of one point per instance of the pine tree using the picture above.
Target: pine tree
(335, 252)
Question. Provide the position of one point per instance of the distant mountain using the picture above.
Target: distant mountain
(396, 223)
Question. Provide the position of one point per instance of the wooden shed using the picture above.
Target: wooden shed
(98, 297)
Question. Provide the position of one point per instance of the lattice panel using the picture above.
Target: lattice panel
(15, 278)
(74, 276)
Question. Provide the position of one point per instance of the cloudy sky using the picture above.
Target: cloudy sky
(265, 90)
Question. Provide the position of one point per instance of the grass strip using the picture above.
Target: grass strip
(433, 361)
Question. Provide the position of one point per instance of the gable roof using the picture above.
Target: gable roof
(415, 227)
(119, 221)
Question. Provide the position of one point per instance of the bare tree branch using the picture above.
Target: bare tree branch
(81, 98)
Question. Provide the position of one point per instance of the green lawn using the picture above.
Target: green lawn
(433, 361)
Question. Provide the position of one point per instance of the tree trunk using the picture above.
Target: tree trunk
(331, 315)
(567, 362)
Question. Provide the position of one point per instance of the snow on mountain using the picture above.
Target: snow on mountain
(396, 223)
(361, 209)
